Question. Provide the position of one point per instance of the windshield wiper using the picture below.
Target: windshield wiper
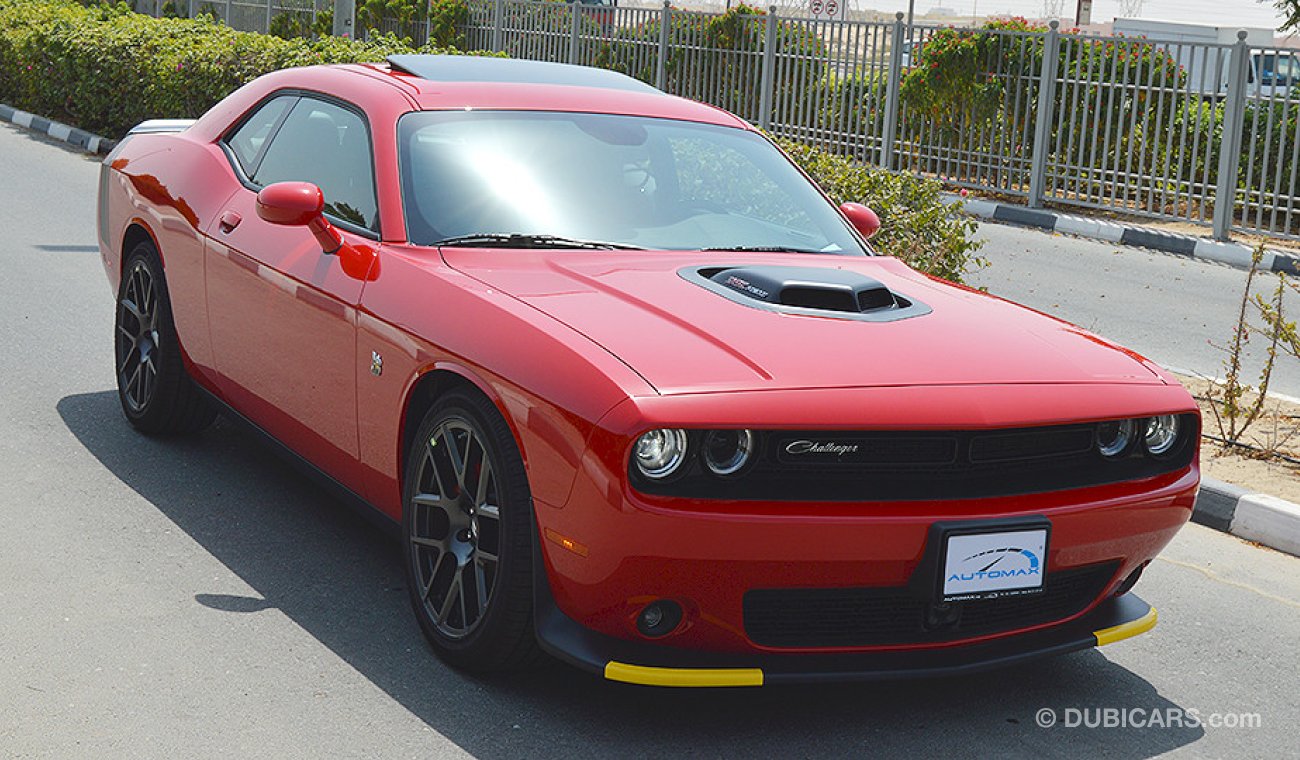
(763, 249)
(518, 240)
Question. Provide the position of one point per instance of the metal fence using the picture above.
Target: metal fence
(299, 16)
(1144, 127)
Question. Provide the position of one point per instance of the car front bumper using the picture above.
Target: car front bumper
(1115, 619)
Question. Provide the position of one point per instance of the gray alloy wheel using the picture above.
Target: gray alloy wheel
(455, 533)
(137, 337)
(156, 392)
(468, 536)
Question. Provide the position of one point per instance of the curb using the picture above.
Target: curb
(1257, 517)
(91, 143)
(1233, 254)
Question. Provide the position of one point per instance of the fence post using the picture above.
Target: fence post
(573, 32)
(269, 5)
(498, 19)
(769, 69)
(1234, 113)
(661, 68)
(227, 12)
(1044, 124)
(345, 15)
(892, 85)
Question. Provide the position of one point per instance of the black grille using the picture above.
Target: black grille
(860, 617)
(924, 465)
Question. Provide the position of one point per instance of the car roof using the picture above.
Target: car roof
(445, 82)
(482, 69)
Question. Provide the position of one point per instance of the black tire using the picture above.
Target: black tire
(157, 395)
(460, 541)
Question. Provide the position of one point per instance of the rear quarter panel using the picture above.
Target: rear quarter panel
(173, 187)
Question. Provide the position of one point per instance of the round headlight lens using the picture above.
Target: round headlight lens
(660, 453)
(1161, 434)
(726, 452)
(1113, 437)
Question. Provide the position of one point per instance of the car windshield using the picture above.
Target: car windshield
(481, 178)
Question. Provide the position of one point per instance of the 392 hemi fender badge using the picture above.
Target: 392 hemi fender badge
(376, 364)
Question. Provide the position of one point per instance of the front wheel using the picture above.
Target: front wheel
(156, 392)
(468, 537)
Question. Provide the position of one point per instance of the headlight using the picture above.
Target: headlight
(1161, 434)
(660, 453)
(726, 452)
(1113, 437)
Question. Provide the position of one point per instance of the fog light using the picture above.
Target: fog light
(1161, 434)
(1113, 437)
(726, 452)
(660, 453)
(659, 618)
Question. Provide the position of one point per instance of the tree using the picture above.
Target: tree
(1291, 14)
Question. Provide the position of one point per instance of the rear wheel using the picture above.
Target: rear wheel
(157, 394)
(468, 537)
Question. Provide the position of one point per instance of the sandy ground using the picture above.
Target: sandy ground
(1276, 429)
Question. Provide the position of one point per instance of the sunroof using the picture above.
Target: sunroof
(468, 68)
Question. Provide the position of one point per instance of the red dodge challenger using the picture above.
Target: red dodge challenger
(634, 391)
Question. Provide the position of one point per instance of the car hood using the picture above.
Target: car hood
(684, 338)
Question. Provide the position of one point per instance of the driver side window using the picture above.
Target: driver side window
(329, 146)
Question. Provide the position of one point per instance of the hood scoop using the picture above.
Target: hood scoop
(812, 291)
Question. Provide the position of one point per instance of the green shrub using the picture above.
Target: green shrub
(915, 224)
(107, 69)
(447, 20)
(971, 88)
(295, 19)
(853, 105)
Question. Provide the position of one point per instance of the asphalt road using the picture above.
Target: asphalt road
(196, 598)
(1175, 310)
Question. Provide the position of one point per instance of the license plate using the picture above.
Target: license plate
(994, 564)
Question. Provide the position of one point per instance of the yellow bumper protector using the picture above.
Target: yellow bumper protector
(1126, 630)
(647, 676)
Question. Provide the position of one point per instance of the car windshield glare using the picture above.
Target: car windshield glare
(631, 182)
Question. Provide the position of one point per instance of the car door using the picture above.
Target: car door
(282, 312)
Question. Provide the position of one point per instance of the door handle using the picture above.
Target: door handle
(229, 221)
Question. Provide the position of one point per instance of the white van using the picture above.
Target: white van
(1272, 72)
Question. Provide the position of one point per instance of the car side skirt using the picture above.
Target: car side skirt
(352, 499)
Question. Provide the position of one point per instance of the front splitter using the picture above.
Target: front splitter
(615, 659)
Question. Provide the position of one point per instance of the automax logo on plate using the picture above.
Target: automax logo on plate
(994, 563)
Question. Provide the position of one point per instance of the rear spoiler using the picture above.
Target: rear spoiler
(159, 126)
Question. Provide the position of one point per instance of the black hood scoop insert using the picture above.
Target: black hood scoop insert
(811, 291)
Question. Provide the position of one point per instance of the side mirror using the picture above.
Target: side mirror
(863, 219)
(299, 204)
